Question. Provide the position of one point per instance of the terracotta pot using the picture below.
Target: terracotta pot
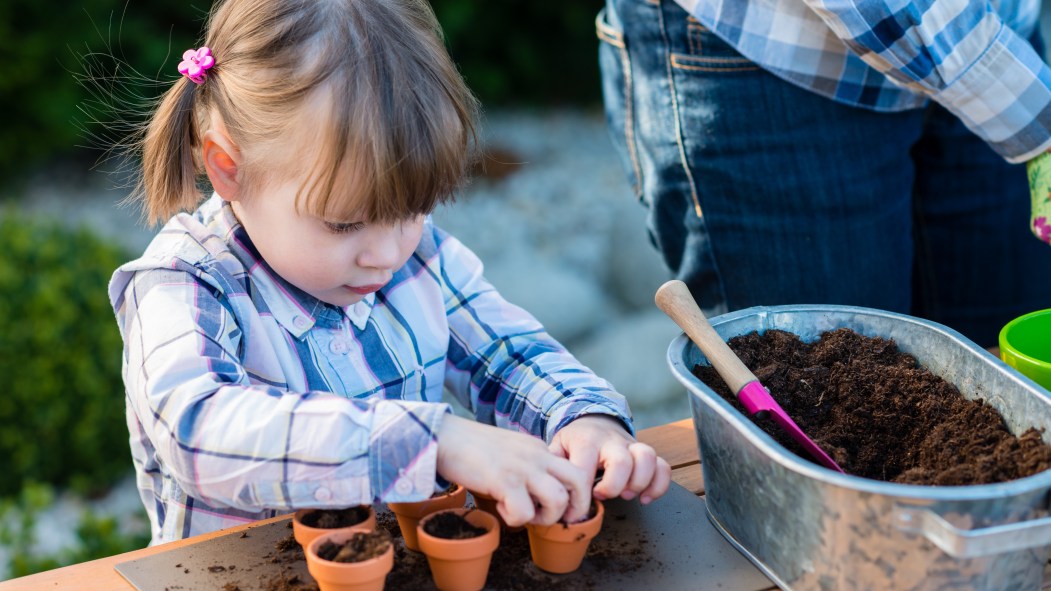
(488, 504)
(560, 548)
(409, 514)
(368, 575)
(460, 565)
(305, 534)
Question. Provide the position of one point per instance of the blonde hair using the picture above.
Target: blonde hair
(400, 122)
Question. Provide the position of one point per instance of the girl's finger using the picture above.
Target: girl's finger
(516, 507)
(616, 464)
(576, 481)
(660, 483)
(550, 498)
(585, 457)
(644, 462)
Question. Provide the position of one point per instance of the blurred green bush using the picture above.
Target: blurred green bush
(520, 52)
(42, 51)
(511, 52)
(62, 408)
(96, 536)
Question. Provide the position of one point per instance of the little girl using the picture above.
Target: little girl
(287, 344)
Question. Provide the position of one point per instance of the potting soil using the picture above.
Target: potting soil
(452, 526)
(878, 413)
(334, 518)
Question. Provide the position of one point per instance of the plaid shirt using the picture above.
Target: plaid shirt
(247, 397)
(891, 55)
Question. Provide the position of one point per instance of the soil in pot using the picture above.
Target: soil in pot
(452, 526)
(335, 518)
(308, 524)
(459, 545)
(879, 414)
(346, 560)
(410, 513)
(357, 548)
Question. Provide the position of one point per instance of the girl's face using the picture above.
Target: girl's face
(337, 262)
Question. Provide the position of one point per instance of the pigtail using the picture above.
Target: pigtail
(169, 162)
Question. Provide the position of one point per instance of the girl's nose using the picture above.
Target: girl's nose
(381, 249)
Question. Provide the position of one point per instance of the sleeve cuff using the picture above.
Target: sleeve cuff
(403, 450)
(614, 406)
(1005, 98)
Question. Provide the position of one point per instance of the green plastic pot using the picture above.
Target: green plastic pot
(1025, 344)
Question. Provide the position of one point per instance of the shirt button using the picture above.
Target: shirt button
(403, 487)
(323, 494)
(338, 346)
(300, 322)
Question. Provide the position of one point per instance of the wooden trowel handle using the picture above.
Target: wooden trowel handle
(675, 299)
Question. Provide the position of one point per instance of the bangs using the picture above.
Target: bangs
(386, 156)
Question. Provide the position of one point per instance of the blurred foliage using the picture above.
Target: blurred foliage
(510, 52)
(525, 52)
(44, 46)
(62, 410)
(97, 537)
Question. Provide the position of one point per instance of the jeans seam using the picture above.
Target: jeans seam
(678, 122)
(609, 35)
(693, 38)
(713, 64)
(629, 120)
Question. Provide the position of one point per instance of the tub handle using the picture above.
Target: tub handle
(970, 543)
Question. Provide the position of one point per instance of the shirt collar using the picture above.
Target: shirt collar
(296, 310)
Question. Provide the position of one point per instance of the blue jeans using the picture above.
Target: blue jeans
(759, 192)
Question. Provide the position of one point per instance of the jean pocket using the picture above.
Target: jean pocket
(617, 93)
(709, 53)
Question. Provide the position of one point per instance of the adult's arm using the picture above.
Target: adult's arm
(961, 54)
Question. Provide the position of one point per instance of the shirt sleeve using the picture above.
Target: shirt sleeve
(962, 55)
(503, 365)
(230, 441)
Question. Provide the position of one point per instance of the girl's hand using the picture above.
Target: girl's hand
(629, 468)
(530, 484)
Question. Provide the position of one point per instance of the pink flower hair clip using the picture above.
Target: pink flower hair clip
(196, 63)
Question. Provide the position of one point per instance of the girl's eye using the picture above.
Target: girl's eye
(343, 228)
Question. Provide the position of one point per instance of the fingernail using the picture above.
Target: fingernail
(627, 495)
(645, 500)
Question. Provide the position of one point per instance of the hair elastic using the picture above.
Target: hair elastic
(196, 63)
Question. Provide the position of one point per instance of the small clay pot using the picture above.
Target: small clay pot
(305, 534)
(488, 504)
(409, 514)
(460, 565)
(560, 548)
(367, 575)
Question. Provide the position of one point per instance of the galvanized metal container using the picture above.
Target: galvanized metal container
(808, 527)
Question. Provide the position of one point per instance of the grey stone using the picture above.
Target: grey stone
(632, 355)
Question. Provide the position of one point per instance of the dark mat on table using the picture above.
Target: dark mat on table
(669, 544)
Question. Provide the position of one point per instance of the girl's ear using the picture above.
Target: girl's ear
(222, 162)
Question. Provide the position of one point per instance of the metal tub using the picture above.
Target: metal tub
(808, 527)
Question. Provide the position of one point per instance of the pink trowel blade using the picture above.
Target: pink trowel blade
(756, 398)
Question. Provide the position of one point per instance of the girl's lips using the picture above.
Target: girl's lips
(365, 289)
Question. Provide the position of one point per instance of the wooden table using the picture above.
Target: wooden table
(675, 442)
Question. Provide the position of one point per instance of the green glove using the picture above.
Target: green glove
(1039, 170)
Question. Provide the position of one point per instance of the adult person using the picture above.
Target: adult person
(862, 152)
